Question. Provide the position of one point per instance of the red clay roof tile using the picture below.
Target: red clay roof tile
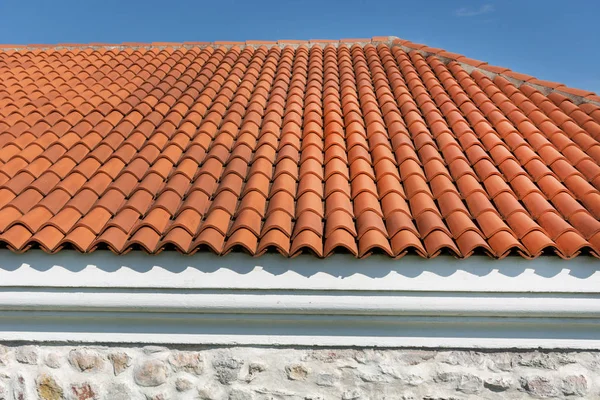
(317, 147)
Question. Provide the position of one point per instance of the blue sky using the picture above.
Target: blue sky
(553, 40)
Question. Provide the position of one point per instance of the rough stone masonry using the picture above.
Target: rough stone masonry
(242, 373)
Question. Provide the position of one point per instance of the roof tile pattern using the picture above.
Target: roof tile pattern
(320, 149)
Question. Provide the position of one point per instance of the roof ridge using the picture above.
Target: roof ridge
(578, 96)
(282, 43)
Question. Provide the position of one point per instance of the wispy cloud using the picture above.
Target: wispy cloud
(473, 12)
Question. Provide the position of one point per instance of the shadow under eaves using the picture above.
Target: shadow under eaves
(339, 266)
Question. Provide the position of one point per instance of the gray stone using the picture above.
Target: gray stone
(405, 378)
(327, 356)
(466, 383)
(187, 361)
(498, 384)
(19, 387)
(254, 369)
(150, 373)
(159, 396)
(83, 391)
(48, 388)
(500, 362)
(592, 360)
(410, 379)
(211, 391)
(447, 377)
(274, 392)
(53, 360)
(86, 360)
(120, 362)
(463, 358)
(296, 372)
(574, 385)
(589, 361)
(240, 394)
(374, 377)
(539, 386)
(183, 384)
(470, 384)
(4, 351)
(352, 394)
(543, 360)
(227, 369)
(326, 380)
(27, 355)
(3, 392)
(154, 349)
(119, 391)
(368, 355)
(414, 357)
(390, 370)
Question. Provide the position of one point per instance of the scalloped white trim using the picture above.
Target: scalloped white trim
(271, 271)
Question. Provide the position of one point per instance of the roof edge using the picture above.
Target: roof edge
(252, 43)
(578, 96)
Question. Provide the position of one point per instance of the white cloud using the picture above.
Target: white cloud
(473, 12)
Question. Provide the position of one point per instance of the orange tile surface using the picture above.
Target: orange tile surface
(293, 147)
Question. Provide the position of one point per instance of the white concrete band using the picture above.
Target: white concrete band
(340, 301)
(358, 304)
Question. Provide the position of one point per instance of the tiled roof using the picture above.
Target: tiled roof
(354, 146)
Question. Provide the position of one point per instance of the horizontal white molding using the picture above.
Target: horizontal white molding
(271, 300)
(339, 272)
(302, 318)
(385, 304)
(299, 330)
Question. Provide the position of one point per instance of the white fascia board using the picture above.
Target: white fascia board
(270, 300)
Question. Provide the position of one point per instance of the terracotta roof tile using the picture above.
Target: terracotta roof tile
(357, 146)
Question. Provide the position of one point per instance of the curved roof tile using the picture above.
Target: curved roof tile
(358, 146)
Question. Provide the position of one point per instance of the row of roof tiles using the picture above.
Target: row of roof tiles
(407, 45)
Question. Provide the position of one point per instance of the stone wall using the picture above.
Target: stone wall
(158, 373)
